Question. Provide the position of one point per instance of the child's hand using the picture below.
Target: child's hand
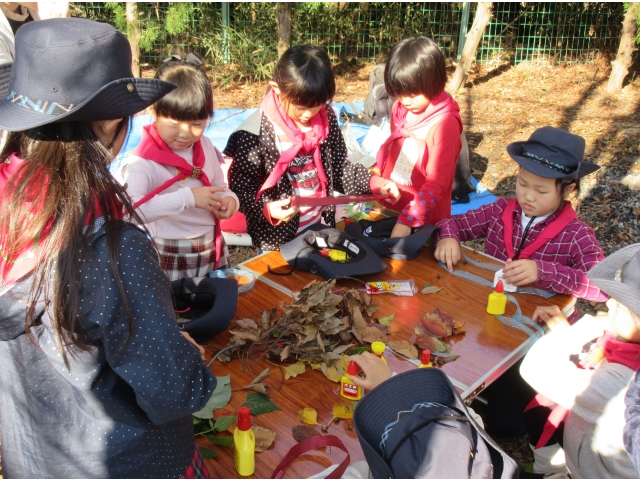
(278, 211)
(552, 316)
(400, 230)
(448, 252)
(392, 189)
(188, 337)
(520, 272)
(226, 209)
(206, 197)
(373, 368)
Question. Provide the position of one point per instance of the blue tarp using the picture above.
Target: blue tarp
(227, 120)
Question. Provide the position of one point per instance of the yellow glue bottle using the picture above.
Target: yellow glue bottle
(378, 349)
(245, 444)
(497, 300)
(425, 360)
(347, 389)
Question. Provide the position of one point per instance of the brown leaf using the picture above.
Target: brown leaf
(320, 343)
(302, 432)
(431, 289)
(246, 333)
(445, 317)
(246, 323)
(435, 325)
(265, 318)
(285, 353)
(257, 387)
(358, 320)
(371, 309)
(264, 437)
(383, 328)
(418, 330)
(372, 334)
(426, 342)
(405, 348)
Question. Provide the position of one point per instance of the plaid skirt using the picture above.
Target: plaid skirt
(197, 469)
(193, 257)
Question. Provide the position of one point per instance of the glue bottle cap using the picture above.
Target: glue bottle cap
(352, 369)
(499, 287)
(378, 348)
(244, 418)
(426, 357)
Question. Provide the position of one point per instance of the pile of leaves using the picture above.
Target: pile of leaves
(322, 324)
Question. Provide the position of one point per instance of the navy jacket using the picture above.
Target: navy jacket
(114, 413)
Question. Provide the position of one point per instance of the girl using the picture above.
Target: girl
(538, 232)
(175, 179)
(96, 380)
(421, 154)
(588, 388)
(293, 146)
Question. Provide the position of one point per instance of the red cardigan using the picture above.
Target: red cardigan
(428, 198)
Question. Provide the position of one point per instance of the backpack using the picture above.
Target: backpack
(377, 105)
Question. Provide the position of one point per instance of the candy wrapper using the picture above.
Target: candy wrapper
(402, 288)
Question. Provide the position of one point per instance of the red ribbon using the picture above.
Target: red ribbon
(312, 444)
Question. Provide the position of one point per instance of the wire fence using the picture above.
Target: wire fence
(365, 31)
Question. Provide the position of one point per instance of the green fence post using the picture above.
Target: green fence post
(464, 26)
(225, 33)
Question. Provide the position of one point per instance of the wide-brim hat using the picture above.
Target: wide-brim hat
(205, 305)
(399, 395)
(552, 153)
(377, 234)
(72, 69)
(618, 276)
(304, 252)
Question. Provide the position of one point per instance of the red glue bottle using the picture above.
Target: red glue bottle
(348, 389)
(425, 361)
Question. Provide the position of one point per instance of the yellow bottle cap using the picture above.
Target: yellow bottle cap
(378, 348)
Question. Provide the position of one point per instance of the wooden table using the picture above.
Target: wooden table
(487, 349)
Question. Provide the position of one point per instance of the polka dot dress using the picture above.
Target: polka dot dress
(255, 156)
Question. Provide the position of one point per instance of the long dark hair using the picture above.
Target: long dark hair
(305, 77)
(62, 188)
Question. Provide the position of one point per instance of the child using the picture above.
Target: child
(538, 232)
(588, 388)
(421, 154)
(293, 146)
(96, 379)
(175, 179)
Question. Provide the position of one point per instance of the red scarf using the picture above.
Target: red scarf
(564, 218)
(153, 148)
(615, 351)
(13, 269)
(401, 128)
(276, 113)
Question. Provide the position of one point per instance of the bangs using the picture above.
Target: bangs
(192, 100)
(403, 79)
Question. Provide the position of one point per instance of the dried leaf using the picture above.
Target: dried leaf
(302, 432)
(342, 348)
(332, 374)
(427, 342)
(383, 328)
(320, 343)
(442, 358)
(219, 399)
(264, 437)
(371, 309)
(308, 415)
(294, 370)
(418, 330)
(372, 334)
(285, 353)
(387, 320)
(431, 289)
(265, 373)
(343, 410)
(265, 318)
(247, 323)
(252, 334)
(445, 317)
(405, 348)
(259, 403)
(435, 326)
(358, 320)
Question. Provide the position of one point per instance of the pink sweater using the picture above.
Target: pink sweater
(172, 214)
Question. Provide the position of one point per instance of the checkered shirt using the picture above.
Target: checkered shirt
(563, 262)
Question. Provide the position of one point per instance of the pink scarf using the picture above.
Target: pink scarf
(276, 113)
(552, 230)
(153, 148)
(401, 128)
(615, 351)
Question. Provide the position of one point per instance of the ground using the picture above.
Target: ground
(502, 104)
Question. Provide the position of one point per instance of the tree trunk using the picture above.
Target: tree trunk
(133, 34)
(627, 45)
(480, 22)
(284, 27)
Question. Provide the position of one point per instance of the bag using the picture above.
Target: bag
(462, 185)
(377, 105)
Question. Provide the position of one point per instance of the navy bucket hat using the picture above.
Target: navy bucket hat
(304, 252)
(415, 425)
(552, 153)
(72, 69)
(205, 305)
(377, 235)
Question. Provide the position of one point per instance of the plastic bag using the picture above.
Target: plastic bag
(402, 288)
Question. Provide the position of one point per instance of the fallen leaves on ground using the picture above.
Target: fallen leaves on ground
(404, 348)
(264, 437)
